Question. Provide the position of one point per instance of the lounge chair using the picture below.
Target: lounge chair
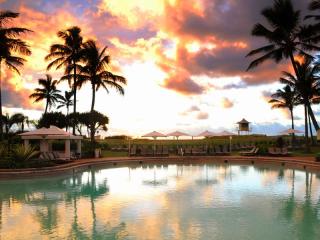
(217, 150)
(188, 151)
(225, 150)
(197, 151)
(150, 151)
(165, 151)
(211, 151)
(285, 152)
(159, 151)
(133, 151)
(143, 151)
(252, 152)
(274, 151)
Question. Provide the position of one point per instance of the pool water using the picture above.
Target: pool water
(164, 202)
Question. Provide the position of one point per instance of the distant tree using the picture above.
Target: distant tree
(94, 121)
(57, 119)
(285, 98)
(66, 101)
(48, 92)
(67, 55)
(17, 120)
(11, 49)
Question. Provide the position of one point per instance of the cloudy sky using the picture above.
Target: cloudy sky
(184, 61)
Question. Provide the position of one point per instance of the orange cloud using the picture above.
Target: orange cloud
(226, 103)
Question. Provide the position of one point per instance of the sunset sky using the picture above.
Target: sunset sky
(184, 61)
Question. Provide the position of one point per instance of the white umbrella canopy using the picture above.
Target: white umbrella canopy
(177, 134)
(290, 131)
(154, 134)
(225, 133)
(207, 134)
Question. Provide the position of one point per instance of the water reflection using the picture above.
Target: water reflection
(164, 202)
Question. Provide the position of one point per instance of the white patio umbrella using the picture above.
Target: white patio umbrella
(225, 133)
(207, 134)
(290, 131)
(154, 135)
(177, 134)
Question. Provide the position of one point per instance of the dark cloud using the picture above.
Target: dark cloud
(227, 24)
(183, 85)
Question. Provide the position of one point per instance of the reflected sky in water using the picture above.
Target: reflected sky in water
(164, 202)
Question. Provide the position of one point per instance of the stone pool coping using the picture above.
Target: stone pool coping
(303, 163)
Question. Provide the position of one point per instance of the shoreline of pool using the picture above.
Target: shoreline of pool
(300, 163)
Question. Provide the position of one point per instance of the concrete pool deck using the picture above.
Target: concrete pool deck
(302, 163)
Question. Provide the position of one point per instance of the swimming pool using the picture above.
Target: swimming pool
(164, 202)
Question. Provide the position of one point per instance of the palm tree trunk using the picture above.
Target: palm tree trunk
(293, 62)
(67, 125)
(313, 118)
(92, 132)
(74, 94)
(1, 120)
(306, 127)
(310, 128)
(292, 126)
(93, 97)
(46, 109)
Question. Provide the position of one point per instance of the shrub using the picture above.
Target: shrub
(21, 155)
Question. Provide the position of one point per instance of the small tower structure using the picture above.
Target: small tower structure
(243, 127)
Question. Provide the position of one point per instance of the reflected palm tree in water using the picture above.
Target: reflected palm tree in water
(91, 189)
(303, 215)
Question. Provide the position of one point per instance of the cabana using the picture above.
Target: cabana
(47, 135)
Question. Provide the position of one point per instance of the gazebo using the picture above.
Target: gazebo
(243, 126)
(47, 135)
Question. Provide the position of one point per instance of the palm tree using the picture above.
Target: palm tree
(67, 55)
(11, 44)
(286, 37)
(66, 101)
(17, 119)
(48, 92)
(96, 71)
(285, 98)
(306, 86)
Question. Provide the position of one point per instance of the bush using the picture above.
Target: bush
(21, 155)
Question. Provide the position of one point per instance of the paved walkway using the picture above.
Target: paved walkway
(307, 163)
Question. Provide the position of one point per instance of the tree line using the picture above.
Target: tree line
(82, 62)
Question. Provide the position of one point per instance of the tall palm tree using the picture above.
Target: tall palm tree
(96, 71)
(286, 37)
(67, 55)
(285, 98)
(10, 45)
(48, 92)
(66, 101)
(307, 86)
